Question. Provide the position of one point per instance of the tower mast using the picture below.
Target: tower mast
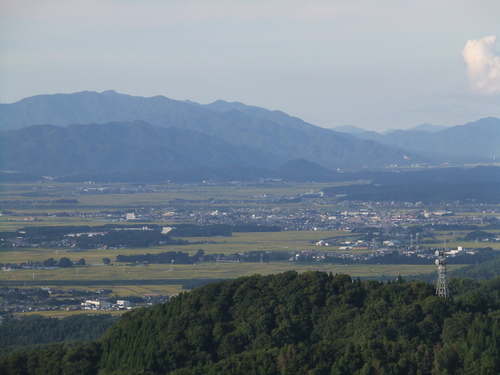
(442, 284)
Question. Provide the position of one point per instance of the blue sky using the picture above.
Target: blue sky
(374, 64)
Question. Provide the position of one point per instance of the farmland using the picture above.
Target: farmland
(307, 230)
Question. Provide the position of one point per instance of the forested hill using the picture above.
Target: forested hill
(312, 323)
(485, 271)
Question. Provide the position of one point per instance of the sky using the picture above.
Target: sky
(385, 64)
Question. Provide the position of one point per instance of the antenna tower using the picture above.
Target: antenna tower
(442, 284)
(374, 251)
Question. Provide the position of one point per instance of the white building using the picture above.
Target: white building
(123, 303)
(166, 230)
(97, 304)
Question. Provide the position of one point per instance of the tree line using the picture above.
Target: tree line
(394, 257)
(113, 235)
(167, 257)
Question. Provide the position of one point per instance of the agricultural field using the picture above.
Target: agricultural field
(304, 218)
(100, 276)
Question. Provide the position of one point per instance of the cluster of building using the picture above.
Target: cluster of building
(309, 211)
(104, 304)
(17, 300)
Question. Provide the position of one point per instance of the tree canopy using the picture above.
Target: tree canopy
(310, 323)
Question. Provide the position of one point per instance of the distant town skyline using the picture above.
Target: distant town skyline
(376, 65)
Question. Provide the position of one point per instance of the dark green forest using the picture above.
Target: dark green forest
(481, 272)
(290, 323)
(29, 331)
(178, 257)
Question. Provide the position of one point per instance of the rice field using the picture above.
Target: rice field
(169, 274)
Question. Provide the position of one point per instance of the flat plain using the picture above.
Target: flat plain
(54, 204)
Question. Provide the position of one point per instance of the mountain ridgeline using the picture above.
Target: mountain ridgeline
(290, 323)
(115, 137)
(133, 136)
(474, 142)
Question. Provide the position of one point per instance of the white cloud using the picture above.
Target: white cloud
(483, 66)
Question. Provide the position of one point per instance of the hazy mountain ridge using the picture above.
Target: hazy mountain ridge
(117, 147)
(88, 107)
(271, 134)
(428, 128)
(349, 129)
(216, 135)
(276, 116)
(473, 142)
(356, 130)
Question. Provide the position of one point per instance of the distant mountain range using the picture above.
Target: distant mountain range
(114, 147)
(355, 130)
(89, 133)
(157, 132)
(428, 128)
(349, 129)
(474, 142)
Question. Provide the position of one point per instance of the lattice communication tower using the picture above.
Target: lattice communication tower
(442, 285)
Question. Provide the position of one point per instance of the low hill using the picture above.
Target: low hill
(484, 271)
(311, 323)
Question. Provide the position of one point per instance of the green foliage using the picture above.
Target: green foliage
(81, 262)
(65, 262)
(56, 360)
(35, 329)
(49, 262)
(310, 323)
(485, 271)
(167, 257)
(478, 235)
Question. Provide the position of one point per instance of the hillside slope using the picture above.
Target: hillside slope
(118, 148)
